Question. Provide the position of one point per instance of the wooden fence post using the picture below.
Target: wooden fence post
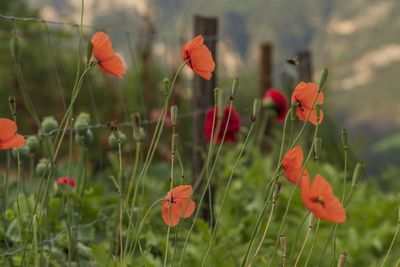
(265, 84)
(203, 98)
(266, 68)
(304, 68)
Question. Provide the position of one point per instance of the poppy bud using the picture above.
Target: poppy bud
(136, 125)
(342, 259)
(318, 111)
(113, 140)
(83, 116)
(216, 95)
(293, 111)
(166, 86)
(142, 134)
(49, 124)
(89, 49)
(221, 101)
(81, 127)
(84, 139)
(276, 191)
(317, 148)
(23, 152)
(234, 87)
(322, 78)
(345, 142)
(174, 114)
(9, 215)
(13, 106)
(42, 167)
(33, 144)
(256, 108)
(357, 172)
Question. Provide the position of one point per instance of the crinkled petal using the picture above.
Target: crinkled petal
(15, 141)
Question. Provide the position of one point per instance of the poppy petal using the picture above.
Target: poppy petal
(15, 141)
(113, 65)
(185, 207)
(166, 214)
(7, 129)
(102, 46)
(181, 192)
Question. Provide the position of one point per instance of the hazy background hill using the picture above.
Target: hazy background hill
(357, 40)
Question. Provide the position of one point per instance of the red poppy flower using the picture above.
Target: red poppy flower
(304, 94)
(181, 205)
(279, 103)
(64, 180)
(155, 114)
(319, 199)
(104, 53)
(201, 61)
(233, 126)
(8, 137)
(292, 165)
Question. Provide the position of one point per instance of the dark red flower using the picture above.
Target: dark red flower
(279, 102)
(64, 180)
(201, 61)
(233, 126)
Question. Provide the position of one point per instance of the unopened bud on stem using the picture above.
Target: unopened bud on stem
(234, 87)
(174, 114)
(256, 108)
(322, 78)
(166, 86)
(345, 137)
(13, 106)
(357, 172)
(276, 191)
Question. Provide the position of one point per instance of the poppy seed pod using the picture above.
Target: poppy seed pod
(23, 152)
(49, 124)
(84, 139)
(33, 144)
(41, 168)
(113, 140)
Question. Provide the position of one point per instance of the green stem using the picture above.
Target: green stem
(208, 181)
(263, 126)
(305, 240)
(226, 192)
(391, 244)
(313, 243)
(293, 248)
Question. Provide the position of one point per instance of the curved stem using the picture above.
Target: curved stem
(226, 192)
(391, 244)
(305, 239)
(313, 244)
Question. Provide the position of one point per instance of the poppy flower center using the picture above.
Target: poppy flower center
(319, 199)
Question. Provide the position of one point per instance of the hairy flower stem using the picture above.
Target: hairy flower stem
(208, 181)
(305, 239)
(391, 244)
(170, 194)
(226, 192)
(313, 243)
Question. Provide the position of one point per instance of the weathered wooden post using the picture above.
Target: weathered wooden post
(265, 84)
(203, 96)
(304, 68)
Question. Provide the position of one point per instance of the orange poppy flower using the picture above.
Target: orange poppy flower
(292, 165)
(201, 61)
(304, 94)
(104, 53)
(8, 138)
(319, 199)
(181, 205)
